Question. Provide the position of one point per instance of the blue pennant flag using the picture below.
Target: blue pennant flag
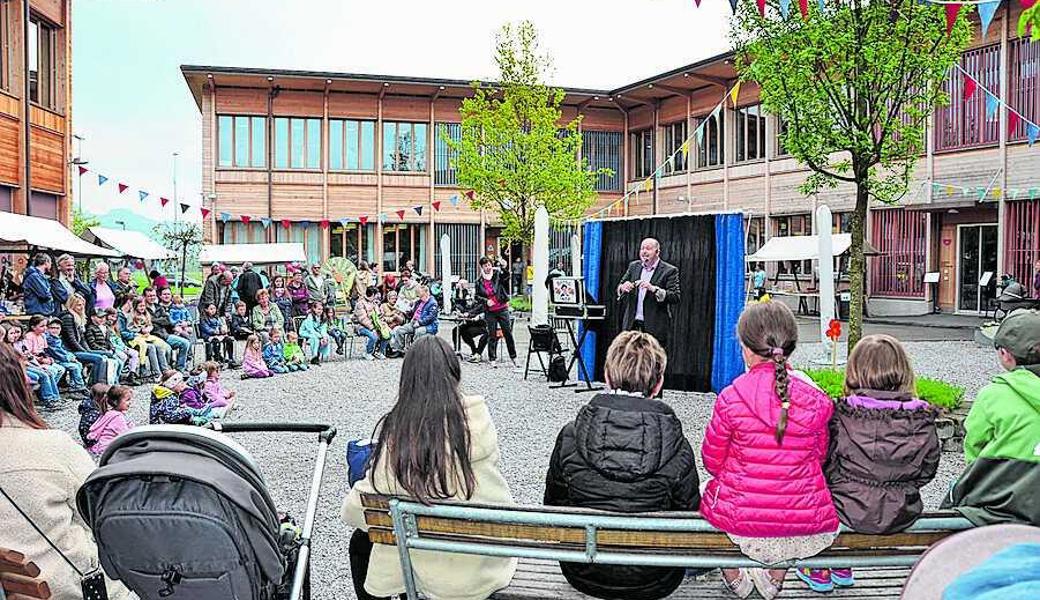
(820, 4)
(101, 179)
(305, 224)
(225, 217)
(1033, 192)
(986, 12)
(992, 103)
(143, 194)
(344, 221)
(454, 200)
(382, 217)
(733, 5)
(785, 7)
(1032, 133)
(266, 221)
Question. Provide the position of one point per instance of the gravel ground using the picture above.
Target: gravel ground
(352, 394)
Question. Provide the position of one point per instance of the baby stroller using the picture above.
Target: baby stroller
(181, 512)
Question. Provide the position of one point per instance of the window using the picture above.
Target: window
(841, 222)
(900, 237)
(297, 143)
(353, 241)
(674, 136)
(964, 123)
(602, 150)
(42, 47)
(241, 141)
(352, 145)
(404, 146)
(1023, 83)
(756, 236)
(444, 170)
(751, 133)
(403, 242)
(793, 225)
(465, 249)
(1022, 238)
(642, 153)
(781, 129)
(711, 152)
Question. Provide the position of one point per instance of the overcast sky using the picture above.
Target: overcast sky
(132, 107)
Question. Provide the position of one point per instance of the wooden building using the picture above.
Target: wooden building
(42, 89)
(302, 148)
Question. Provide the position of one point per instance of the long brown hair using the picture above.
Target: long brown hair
(768, 329)
(425, 437)
(16, 397)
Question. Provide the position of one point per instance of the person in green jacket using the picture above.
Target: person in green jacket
(1002, 433)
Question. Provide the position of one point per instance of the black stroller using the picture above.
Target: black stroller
(181, 512)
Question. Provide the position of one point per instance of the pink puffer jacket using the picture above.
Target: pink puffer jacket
(760, 488)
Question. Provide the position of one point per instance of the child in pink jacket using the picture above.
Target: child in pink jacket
(253, 363)
(113, 422)
(765, 448)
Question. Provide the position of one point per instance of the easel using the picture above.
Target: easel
(570, 308)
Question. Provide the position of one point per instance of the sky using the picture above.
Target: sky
(134, 111)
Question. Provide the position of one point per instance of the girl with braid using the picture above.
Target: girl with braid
(765, 448)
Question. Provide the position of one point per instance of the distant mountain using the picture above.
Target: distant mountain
(133, 221)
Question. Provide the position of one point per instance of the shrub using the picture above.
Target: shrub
(520, 304)
(933, 391)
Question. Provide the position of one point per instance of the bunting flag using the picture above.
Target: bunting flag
(454, 201)
(123, 187)
(381, 217)
(470, 194)
(205, 211)
(265, 221)
(225, 217)
(700, 136)
(184, 207)
(986, 12)
(344, 221)
(436, 205)
(417, 209)
(949, 190)
(821, 5)
(101, 179)
(785, 8)
(648, 184)
(246, 219)
(734, 93)
(324, 223)
(803, 6)
(685, 149)
(761, 7)
(1033, 193)
(992, 104)
(969, 86)
(142, 194)
(951, 16)
(1032, 133)
(363, 219)
(1012, 122)
(997, 192)
(82, 169)
(733, 5)
(697, 3)
(164, 201)
(400, 214)
(286, 224)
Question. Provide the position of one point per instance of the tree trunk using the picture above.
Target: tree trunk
(857, 264)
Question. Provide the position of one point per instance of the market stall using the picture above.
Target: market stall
(129, 244)
(20, 233)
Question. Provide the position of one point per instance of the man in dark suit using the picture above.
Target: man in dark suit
(647, 291)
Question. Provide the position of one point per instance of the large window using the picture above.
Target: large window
(352, 145)
(42, 48)
(354, 241)
(781, 130)
(642, 153)
(444, 171)
(965, 123)
(465, 249)
(674, 136)
(297, 143)
(793, 225)
(756, 234)
(602, 150)
(241, 141)
(1022, 239)
(900, 237)
(404, 146)
(711, 152)
(1023, 83)
(403, 242)
(751, 133)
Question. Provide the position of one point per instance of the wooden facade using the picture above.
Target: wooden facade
(49, 108)
(964, 149)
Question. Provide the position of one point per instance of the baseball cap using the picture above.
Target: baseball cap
(1019, 334)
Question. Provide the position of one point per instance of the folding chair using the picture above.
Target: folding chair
(543, 340)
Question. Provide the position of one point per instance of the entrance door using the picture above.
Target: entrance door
(977, 254)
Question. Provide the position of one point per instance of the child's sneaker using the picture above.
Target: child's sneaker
(842, 577)
(818, 580)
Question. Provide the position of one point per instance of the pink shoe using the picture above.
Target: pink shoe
(818, 580)
(842, 577)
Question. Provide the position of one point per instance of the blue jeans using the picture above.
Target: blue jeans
(48, 391)
(182, 348)
(374, 342)
(75, 371)
(98, 366)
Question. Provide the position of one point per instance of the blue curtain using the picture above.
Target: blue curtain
(728, 361)
(592, 255)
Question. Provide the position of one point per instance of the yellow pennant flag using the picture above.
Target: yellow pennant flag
(997, 192)
(734, 93)
(949, 190)
(686, 149)
(648, 184)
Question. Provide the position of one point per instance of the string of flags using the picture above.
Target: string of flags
(982, 192)
(994, 102)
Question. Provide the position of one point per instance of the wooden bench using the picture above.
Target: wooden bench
(542, 536)
(19, 578)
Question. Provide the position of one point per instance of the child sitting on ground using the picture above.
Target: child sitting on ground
(213, 393)
(166, 407)
(90, 410)
(274, 353)
(883, 449)
(253, 365)
(765, 447)
(113, 422)
(295, 359)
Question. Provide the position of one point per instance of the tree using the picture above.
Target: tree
(854, 87)
(513, 152)
(1029, 22)
(82, 221)
(182, 237)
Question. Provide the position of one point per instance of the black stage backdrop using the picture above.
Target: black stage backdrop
(688, 243)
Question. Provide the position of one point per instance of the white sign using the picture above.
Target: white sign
(932, 277)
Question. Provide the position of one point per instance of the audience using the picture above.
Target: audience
(315, 331)
(299, 294)
(102, 289)
(36, 287)
(293, 354)
(71, 330)
(113, 420)
(280, 296)
(163, 326)
(423, 322)
(369, 323)
(266, 315)
(249, 283)
(253, 364)
(220, 346)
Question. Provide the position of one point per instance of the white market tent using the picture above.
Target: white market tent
(800, 247)
(128, 243)
(45, 234)
(258, 254)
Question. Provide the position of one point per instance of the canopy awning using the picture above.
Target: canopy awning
(45, 234)
(259, 254)
(802, 247)
(133, 244)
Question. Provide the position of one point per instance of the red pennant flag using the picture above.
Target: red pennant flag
(363, 219)
(437, 205)
(803, 5)
(122, 187)
(761, 7)
(697, 2)
(164, 201)
(1012, 122)
(246, 219)
(83, 169)
(400, 214)
(470, 194)
(969, 86)
(205, 212)
(951, 16)
(324, 223)
(286, 223)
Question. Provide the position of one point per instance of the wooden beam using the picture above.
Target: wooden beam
(674, 90)
(722, 83)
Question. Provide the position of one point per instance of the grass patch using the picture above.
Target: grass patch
(933, 391)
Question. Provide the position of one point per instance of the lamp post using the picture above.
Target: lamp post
(176, 204)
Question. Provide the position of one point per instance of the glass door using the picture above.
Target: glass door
(977, 255)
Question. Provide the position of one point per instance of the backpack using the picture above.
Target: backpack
(558, 368)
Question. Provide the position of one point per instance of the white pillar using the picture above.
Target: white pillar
(446, 272)
(576, 255)
(540, 296)
(826, 271)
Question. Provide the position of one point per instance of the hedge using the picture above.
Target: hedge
(933, 391)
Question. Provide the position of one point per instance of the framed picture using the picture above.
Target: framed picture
(567, 291)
